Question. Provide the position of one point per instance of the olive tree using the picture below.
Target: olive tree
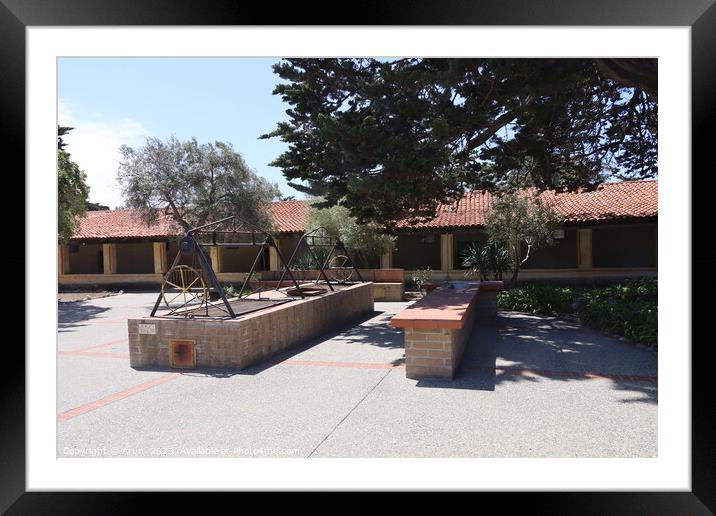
(364, 241)
(520, 222)
(195, 183)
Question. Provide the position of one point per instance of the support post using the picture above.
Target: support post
(274, 264)
(584, 249)
(160, 257)
(446, 258)
(386, 260)
(109, 258)
(217, 258)
(63, 259)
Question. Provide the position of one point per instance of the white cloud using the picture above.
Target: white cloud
(94, 145)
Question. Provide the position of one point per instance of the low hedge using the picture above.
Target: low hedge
(628, 309)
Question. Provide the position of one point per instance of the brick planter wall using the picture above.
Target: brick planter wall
(486, 302)
(389, 291)
(438, 328)
(437, 353)
(246, 340)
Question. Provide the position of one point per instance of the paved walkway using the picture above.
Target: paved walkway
(529, 387)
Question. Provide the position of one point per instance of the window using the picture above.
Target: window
(74, 248)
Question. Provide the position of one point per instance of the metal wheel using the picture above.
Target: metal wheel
(184, 290)
(339, 268)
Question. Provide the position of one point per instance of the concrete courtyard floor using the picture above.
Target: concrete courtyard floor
(528, 387)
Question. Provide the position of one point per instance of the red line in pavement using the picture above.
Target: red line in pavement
(357, 365)
(109, 321)
(95, 354)
(96, 346)
(571, 374)
(503, 370)
(94, 405)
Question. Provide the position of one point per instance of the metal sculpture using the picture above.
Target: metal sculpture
(185, 285)
(188, 288)
(340, 266)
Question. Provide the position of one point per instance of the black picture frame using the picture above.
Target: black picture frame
(700, 15)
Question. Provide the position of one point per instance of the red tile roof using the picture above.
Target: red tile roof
(123, 224)
(610, 201)
(290, 216)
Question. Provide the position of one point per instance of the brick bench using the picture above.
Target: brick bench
(438, 326)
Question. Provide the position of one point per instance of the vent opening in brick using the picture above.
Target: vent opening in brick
(182, 353)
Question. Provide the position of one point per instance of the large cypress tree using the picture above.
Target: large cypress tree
(391, 139)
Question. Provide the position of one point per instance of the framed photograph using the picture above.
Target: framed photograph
(62, 55)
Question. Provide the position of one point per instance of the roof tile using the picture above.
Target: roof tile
(120, 224)
(610, 201)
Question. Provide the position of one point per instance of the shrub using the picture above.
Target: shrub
(628, 309)
(537, 299)
(420, 277)
(232, 291)
(481, 260)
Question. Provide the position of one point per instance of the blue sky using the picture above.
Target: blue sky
(115, 101)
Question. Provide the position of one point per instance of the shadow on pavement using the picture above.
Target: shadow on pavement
(70, 315)
(526, 348)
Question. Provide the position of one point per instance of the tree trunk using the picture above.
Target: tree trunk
(517, 263)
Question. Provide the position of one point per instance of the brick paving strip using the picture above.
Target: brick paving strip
(89, 351)
(100, 354)
(354, 365)
(94, 405)
(501, 370)
(520, 371)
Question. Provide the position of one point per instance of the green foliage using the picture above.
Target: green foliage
(420, 277)
(303, 261)
(391, 139)
(62, 130)
(485, 260)
(629, 309)
(232, 291)
(363, 241)
(537, 299)
(72, 190)
(197, 182)
(517, 221)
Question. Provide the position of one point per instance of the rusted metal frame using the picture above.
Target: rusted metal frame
(206, 265)
(253, 266)
(286, 268)
(345, 252)
(328, 259)
(159, 297)
(304, 240)
(321, 272)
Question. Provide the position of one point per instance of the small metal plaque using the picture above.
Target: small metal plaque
(147, 329)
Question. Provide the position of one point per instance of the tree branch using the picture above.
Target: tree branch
(488, 133)
(527, 256)
(635, 73)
